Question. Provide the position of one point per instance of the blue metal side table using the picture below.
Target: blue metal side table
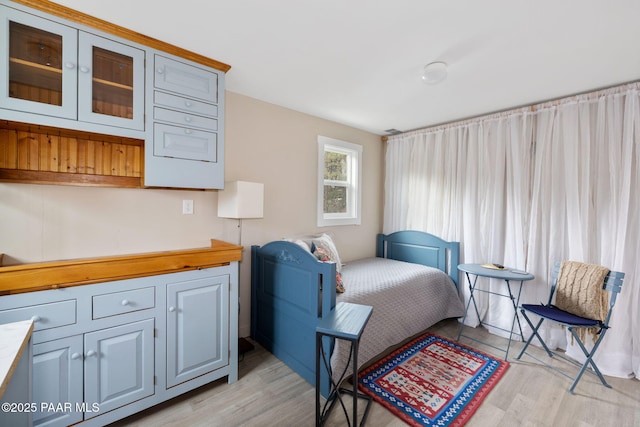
(506, 274)
(346, 322)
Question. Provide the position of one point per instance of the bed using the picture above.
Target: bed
(411, 283)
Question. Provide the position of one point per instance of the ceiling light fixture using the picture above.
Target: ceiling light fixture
(434, 72)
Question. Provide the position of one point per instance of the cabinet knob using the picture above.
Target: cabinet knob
(188, 131)
(84, 69)
(70, 65)
(36, 318)
(91, 353)
(188, 104)
(159, 70)
(188, 119)
(172, 309)
(75, 356)
(125, 302)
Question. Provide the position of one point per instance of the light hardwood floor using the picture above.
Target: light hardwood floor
(268, 393)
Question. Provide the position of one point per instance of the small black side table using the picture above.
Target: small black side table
(346, 322)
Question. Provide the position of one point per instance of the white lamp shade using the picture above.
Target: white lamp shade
(241, 199)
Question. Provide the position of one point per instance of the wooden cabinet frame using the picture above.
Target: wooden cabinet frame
(55, 155)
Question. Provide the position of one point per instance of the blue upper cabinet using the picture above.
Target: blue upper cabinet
(72, 72)
(57, 71)
(110, 82)
(186, 80)
(40, 57)
(187, 147)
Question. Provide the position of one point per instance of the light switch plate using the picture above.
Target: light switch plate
(187, 207)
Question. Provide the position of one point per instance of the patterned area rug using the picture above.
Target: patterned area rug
(432, 381)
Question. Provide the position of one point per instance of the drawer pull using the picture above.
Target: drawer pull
(188, 131)
(84, 69)
(75, 356)
(91, 353)
(69, 65)
(159, 70)
(172, 309)
(188, 104)
(125, 302)
(188, 119)
(36, 318)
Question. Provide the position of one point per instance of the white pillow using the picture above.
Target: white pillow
(306, 245)
(325, 242)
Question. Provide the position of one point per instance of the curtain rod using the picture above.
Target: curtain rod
(593, 93)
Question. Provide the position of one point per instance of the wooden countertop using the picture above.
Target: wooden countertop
(13, 341)
(84, 271)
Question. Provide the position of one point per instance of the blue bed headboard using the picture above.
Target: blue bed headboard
(423, 248)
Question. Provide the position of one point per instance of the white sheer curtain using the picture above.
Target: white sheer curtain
(586, 207)
(468, 183)
(527, 188)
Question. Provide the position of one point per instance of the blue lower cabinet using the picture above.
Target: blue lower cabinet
(105, 351)
(197, 330)
(57, 381)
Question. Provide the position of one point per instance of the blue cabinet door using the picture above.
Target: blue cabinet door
(118, 366)
(110, 82)
(40, 60)
(57, 381)
(197, 328)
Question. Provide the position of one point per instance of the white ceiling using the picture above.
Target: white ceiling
(359, 62)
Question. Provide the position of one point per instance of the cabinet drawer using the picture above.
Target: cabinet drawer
(122, 302)
(184, 143)
(184, 119)
(185, 79)
(184, 104)
(44, 316)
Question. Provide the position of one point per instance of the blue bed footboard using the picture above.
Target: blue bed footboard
(291, 292)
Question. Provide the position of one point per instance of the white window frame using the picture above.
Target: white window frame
(353, 183)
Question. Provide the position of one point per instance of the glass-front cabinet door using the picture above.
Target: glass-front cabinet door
(110, 82)
(38, 63)
(56, 70)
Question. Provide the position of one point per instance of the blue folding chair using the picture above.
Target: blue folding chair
(613, 284)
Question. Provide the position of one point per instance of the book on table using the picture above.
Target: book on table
(494, 266)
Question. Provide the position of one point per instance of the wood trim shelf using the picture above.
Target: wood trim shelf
(48, 155)
(61, 178)
(36, 75)
(35, 65)
(112, 84)
(60, 274)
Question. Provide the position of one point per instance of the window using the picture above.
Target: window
(339, 182)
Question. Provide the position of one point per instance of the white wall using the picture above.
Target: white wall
(264, 143)
(48, 222)
(278, 147)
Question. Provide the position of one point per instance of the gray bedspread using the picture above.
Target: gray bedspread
(406, 299)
